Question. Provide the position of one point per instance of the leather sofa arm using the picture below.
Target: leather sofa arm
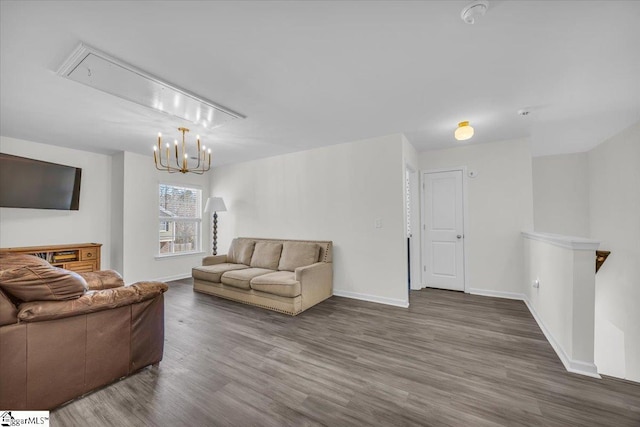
(319, 273)
(8, 310)
(105, 279)
(214, 259)
(90, 302)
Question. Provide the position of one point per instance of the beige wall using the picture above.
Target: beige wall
(614, 196)
(499, 202)
(561, 194)
(332, 193)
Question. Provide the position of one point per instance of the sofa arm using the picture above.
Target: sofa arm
(214, 259)
(90, 302)
(320, 273)
(105, 279)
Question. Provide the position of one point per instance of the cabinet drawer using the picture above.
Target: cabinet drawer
(80, 266)
(88, 254)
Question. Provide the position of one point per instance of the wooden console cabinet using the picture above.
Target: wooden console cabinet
(80, 257)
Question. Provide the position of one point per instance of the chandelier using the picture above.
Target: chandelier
(182, 161)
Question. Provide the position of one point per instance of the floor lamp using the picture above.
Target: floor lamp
(215, 205)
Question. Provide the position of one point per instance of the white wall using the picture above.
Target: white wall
(563, 304)
(614, 171)
(332, 193)
(561, 194)
(140, 221)
(500, 207)
(118, 208)
(35, 227)
(117, 211)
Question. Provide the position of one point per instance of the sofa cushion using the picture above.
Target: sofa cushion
(213, 273)
(240, 251)
(9, 261)
(266, 255)
(8, 311)
(241, 278)
(42, 283)
(298, 254)
(91, 302)
(281, 283)
(103, 279)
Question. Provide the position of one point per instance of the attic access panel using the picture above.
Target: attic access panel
(100, 71)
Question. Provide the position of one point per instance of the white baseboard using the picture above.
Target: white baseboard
(496, 294)
(576, 366)
(175, 277)
(571, 365)
(372, 298)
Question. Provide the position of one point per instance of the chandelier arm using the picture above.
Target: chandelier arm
(198, 164)
(167, 166)
(162, 167)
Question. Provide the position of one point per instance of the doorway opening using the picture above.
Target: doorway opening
(412, 231)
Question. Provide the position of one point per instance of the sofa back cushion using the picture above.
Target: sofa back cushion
(42, 283)
(266, 255)
(8, 311)
(9, 261)
(105, 299)
(240, 252)
(298, 254)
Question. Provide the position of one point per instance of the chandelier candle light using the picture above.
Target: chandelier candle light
(182, 168)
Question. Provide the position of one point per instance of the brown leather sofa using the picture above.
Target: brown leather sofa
(63, 334)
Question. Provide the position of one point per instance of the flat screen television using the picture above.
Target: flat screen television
(28, 183)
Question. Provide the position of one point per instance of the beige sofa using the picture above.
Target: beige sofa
(288, 276)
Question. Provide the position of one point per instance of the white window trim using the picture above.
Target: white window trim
(199, 251)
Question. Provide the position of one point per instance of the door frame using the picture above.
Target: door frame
(465, 223)
(416, 223)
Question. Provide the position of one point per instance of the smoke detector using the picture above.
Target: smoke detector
(473, 10)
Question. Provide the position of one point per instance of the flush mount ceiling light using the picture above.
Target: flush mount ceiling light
(473, 10)
(94, 68)
(463, 132)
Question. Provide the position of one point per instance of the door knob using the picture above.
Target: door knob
(459, 236)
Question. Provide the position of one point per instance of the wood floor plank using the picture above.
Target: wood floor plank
(451, 359)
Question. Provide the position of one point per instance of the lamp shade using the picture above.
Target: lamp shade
(463, 132)
(215, 204)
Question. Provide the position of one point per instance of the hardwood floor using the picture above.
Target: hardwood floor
(451, 359)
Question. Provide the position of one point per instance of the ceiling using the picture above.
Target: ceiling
(313, 73)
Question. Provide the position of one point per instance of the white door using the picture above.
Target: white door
(443, 254)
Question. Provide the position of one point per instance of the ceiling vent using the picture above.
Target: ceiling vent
(94, 68)
(473, 10)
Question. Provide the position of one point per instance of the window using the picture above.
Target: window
(179, 219)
